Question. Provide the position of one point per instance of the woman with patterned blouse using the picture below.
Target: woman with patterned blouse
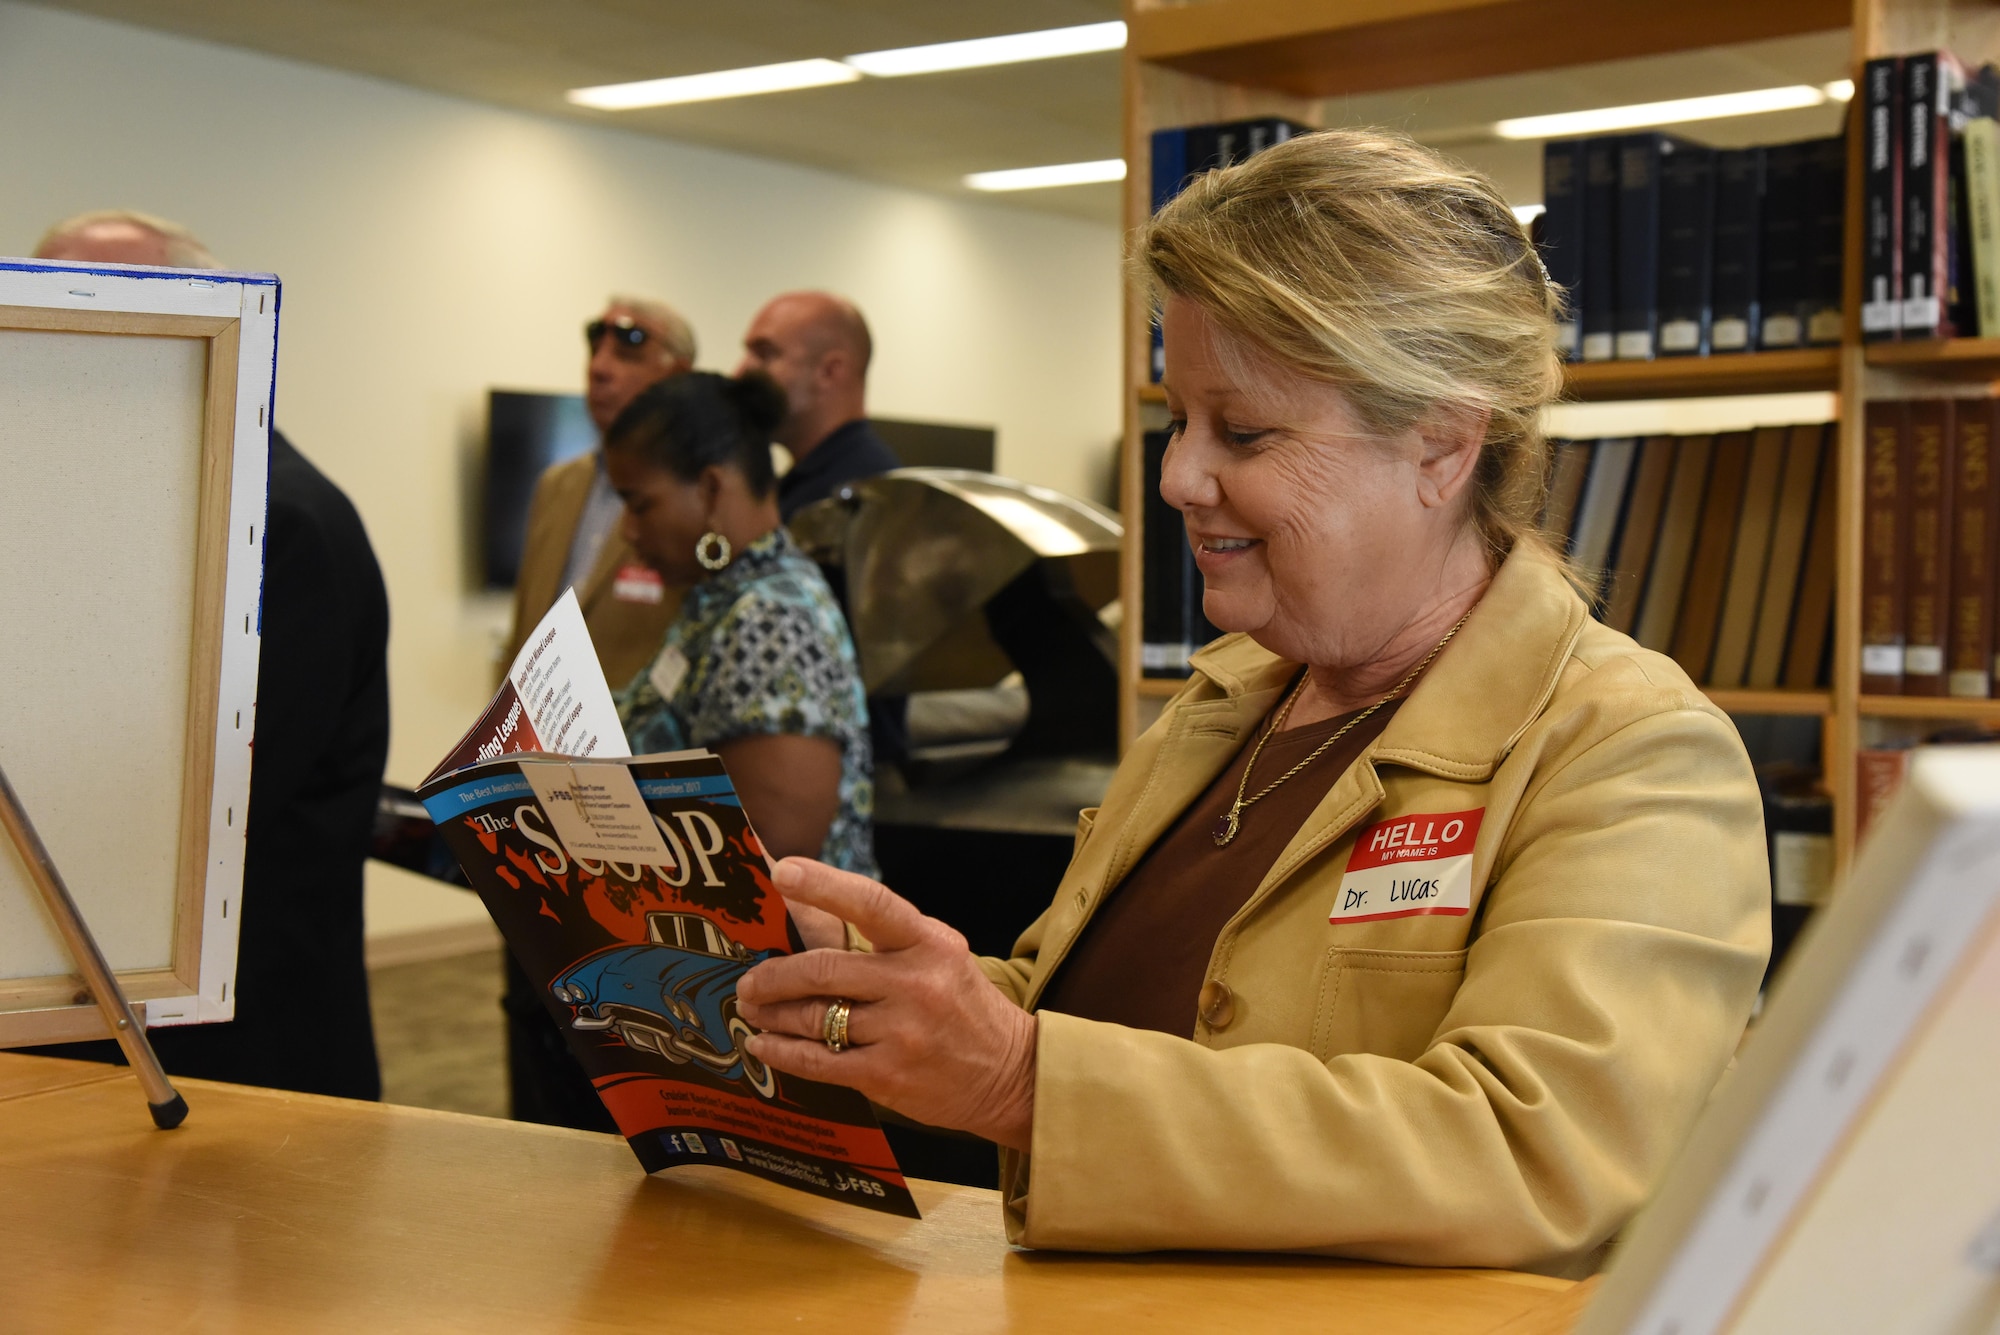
(758, 667)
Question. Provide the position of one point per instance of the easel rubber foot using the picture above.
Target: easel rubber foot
(170, 1114)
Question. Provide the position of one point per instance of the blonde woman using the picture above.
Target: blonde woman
(1420, 925)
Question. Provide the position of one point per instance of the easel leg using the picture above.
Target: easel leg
(169, 1108)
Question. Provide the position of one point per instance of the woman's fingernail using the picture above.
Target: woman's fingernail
(788, 873)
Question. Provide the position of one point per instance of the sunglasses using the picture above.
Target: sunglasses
(623, 333)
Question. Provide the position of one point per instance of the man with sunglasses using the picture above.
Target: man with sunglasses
(572, 535)
(573, 539)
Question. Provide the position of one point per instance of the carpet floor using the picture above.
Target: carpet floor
(440, 1034)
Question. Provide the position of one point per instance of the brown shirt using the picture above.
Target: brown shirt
(1143, 957)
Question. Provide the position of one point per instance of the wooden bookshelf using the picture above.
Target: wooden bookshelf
(1327, 48)
(1815, 703)
(1786, 372)
(1943, 708)
(1782, 372)
(1190, 63)
(1746, 702)
(1959, 358)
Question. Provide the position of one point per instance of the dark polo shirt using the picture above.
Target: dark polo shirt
(847, 454)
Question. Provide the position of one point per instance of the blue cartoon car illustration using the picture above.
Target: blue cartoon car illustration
(674, 997)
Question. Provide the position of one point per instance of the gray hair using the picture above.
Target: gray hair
(184, 249)
(676, 334)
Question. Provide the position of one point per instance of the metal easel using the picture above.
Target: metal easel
(168, 1107)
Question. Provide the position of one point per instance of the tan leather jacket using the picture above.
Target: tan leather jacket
(1500, 1086)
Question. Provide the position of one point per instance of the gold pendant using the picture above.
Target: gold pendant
(1225, 829)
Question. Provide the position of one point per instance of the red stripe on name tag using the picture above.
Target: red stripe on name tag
(1419, 838)
(638, 584)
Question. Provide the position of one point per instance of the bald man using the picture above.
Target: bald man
(322, 735)
(817, 347)
(124, 236)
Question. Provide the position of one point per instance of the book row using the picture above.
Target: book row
(1669, 248)
(1880, 768)
(1183, 153)
(1930, 508)
(1930, 195)
(1715, 549)
(1172, 624)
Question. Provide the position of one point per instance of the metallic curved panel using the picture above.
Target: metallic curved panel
(925, 548)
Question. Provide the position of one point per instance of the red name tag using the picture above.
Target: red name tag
(1410, 866)
(638, 584)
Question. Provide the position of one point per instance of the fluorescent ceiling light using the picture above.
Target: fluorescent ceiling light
(1011, 49)
(1660, 113)
(717, 84)
(1040, 178)
(1527, 213)
(1840, 90)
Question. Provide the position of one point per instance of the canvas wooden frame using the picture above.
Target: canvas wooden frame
(234, 317)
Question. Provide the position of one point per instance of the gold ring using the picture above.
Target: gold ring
(833, 1030)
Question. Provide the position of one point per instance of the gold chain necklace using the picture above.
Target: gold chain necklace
(1226, 827)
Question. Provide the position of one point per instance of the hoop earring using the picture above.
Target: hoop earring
(716, 559)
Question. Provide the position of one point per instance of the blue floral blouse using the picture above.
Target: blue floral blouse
(761, 649)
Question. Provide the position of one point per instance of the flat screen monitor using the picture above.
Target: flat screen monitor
(525, 434)
(934, 445)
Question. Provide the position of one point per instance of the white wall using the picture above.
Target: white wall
(431, 248)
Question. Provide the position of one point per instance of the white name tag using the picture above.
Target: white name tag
(668, 671)
(1410, 866)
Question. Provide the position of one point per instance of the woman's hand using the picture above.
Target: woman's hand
(928, 1034)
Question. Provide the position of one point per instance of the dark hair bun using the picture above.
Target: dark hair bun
(699, 420)
(759, 401)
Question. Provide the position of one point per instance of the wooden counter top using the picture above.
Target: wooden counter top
(269, 1211)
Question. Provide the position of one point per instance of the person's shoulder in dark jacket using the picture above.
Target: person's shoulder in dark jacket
(848, 454)
(321, 739)
(321, 744)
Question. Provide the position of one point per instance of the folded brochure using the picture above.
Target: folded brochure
(635, 891)
(554, 699)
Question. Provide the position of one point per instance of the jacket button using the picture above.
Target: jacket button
(1218, 1004)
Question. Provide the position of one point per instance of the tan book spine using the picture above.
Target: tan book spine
(1627, 580)
(1572, 465)
(1661, 607)
(1749, 558)
(1975, 505)
(1597, 514)
(1789, 527)
(1882, 520)
(1805, 646)
(1926, 546)
(1982, 186)
(1708, 568)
